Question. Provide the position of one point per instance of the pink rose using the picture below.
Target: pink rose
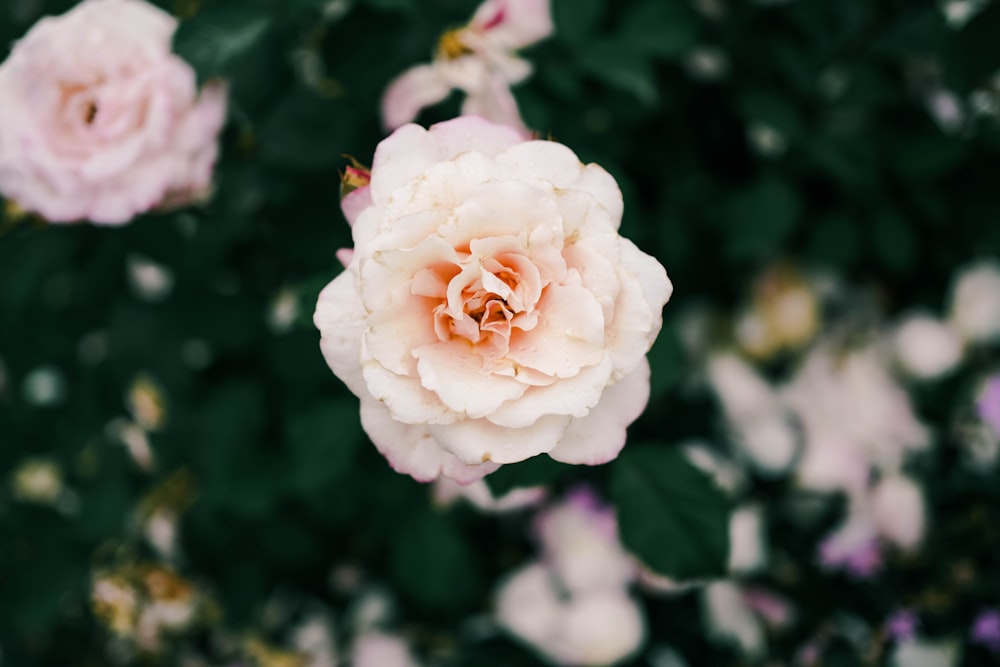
(490, 311)
(100, 121)
(480, 60)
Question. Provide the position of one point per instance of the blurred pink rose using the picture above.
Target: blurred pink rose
(100, 121)
(478, 59)
(490, 311)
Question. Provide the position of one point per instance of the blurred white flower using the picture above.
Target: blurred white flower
(707, 63)
(926, 347)
(149, 280)
(728, 618)
(579, 539)
(926, 653)
(44, 386)
(284, 311)
(135, 439)
(945, 108)
(747, 541)
(377, 649)
(314, 639)
(478, 59)
(898, 511)
(855, 417)
(478, 494)
(754, 413)
(597, 627)
(729, 476)
(573, 607)
(975, 302)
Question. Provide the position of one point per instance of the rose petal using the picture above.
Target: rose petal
(340, 318)
(568, 337)
(494, 101)
(455, 374)
(472, 133)
(414, 89)
(355, 202)
(411, 450)
(573, 396)
(514, 24)
(478, 440)
(598, 437)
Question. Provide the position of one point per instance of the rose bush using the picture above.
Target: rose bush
(490, 311)
(100, 121)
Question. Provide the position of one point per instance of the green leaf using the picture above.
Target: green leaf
(576, 20)
(834, 240)
(665, 28)
(217, 38)
(666, 361)
(404, 6)
(671, 515)
(771, 109)
(619, 66)
(894, 242)
(930, 156)
(761, 218)
(537, 471)
(305, 131)
(434, 564)
(324, 440)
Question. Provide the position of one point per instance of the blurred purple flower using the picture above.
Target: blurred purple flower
(902, 625)
(989, 403)
(986, 630)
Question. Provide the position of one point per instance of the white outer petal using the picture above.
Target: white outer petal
(410, 449)
(598, 437)
(340, 318)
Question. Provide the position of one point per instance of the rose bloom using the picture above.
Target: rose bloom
(480, 60)
(100, 121)
(490, 311)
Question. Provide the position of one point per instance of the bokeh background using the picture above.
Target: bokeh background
(168, 426)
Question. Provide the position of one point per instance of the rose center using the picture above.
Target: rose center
(90, 112)
(482, 299)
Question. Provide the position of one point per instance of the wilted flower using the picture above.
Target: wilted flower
(100, 121)
(144, 602)
(147, 402)
(37, 480)
(490, 311)
(478, 59)
(784, 313)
